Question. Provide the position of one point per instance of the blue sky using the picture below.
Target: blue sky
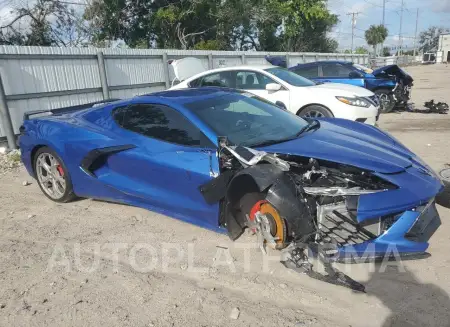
(431, 12)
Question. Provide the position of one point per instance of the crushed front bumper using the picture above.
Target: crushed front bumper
(408, 236)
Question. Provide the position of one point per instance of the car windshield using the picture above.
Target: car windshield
(248, 120)
(363, 68)
(290, 77)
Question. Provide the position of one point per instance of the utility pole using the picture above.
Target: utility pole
(383, 23)
(353, 14)
(415, 33)
(400, 40)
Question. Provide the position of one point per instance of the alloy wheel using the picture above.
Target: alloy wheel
(50, 175)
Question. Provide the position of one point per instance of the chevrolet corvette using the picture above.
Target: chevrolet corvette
(227, 160)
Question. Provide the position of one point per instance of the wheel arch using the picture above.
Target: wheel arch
(314, 104)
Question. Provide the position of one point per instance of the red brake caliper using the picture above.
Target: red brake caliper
(256, 207)
(60, 170)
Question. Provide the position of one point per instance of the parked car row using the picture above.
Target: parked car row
(391, 83)
(284, 88)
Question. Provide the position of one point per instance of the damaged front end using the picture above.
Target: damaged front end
(317, 210)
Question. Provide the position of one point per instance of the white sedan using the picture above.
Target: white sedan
(284, 88)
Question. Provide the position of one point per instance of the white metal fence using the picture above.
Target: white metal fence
(394, 60)
(46, 77)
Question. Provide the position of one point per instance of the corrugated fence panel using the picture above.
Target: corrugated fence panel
(226, 61)
(48, 77)
(42, 75)
(130, 71)
(129, 93)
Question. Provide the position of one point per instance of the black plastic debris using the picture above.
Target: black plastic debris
(437, 108)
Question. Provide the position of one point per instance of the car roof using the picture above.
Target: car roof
(343, 62)
(182, 96)
(239, 67)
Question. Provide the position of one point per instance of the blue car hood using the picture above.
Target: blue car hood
(346, 142)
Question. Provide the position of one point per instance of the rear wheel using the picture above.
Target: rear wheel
(315, 111)
(387, 101)
(52, 176)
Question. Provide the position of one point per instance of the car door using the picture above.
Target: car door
(340, 73)
(172, 158)
(255, 82)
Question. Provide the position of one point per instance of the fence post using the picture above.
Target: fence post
(210, 61)
(243, 58)
(166, 70)
(5, 118)
(317, 57)
(303, 58)
(103, 77)
(288, 60)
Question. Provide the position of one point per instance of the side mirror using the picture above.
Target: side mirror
(273, 87)
(354, 75)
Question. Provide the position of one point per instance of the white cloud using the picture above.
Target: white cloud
(6, 15)
(440, 5)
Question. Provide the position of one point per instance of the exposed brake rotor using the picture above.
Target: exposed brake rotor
(267, 224)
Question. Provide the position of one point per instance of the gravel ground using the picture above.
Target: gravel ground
(88, 263)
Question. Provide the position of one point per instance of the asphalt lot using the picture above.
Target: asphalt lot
(58, 266)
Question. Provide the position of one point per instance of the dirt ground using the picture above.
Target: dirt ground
(91, 263)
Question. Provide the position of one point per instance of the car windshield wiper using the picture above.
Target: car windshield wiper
(313, 124)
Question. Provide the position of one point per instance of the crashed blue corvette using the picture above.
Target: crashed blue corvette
(228, 160)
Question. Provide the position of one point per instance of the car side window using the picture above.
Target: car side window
(221, 79)
(308, 72)
(248, 80)
(336, 70)
(159, 122)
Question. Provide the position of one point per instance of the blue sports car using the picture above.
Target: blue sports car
(227, 160)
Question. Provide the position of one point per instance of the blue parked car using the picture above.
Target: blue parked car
(228, 160)
(390, 83)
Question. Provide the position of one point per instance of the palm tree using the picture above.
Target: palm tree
(375, 35)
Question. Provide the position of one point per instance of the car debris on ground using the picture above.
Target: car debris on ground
(439, 108)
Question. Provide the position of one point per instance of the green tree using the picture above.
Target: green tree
(375, 35)
(429, 39)
(270, 25)
(361, 50)
(386, 52)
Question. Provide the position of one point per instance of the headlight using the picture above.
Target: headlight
(356, 101)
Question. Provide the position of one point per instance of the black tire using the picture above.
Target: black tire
(315, 110)
(388, 104)
(68, 194)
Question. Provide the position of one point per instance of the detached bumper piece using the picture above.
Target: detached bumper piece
(425, 226)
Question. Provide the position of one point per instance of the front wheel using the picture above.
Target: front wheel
(315, 111)
(272, 226)
(387, 101)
